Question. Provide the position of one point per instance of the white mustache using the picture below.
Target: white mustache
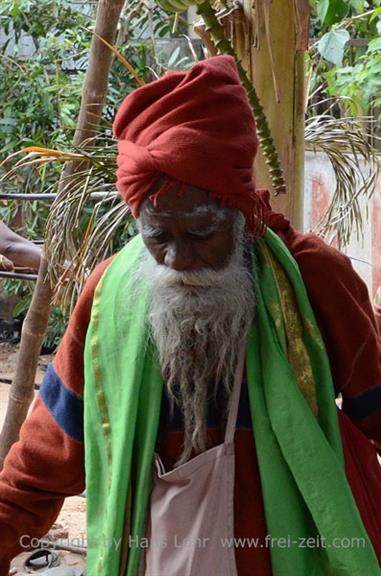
(203, 278)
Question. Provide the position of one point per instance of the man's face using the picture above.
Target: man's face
(187, 231)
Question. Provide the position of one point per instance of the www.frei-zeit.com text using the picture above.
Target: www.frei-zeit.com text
(27, 542)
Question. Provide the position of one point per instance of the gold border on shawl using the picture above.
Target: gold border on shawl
(293, 327)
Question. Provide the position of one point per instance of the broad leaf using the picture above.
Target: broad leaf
(331, 46)
(322, 9)
(374, 45)
(332, 11)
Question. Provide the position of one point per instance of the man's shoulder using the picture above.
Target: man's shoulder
(310, 246)
(80, 317)
(321, 263)
(95, 277)
(68, 361)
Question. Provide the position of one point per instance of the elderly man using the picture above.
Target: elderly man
(194, 373)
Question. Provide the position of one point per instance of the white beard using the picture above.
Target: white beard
(199, 321)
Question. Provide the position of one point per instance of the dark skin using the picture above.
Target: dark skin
(17, 252)
(187, 231)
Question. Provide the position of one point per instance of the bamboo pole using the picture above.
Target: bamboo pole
(18, 276)
(52, 196)
(36, 321)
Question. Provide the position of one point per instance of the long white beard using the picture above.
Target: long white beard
(199, 320)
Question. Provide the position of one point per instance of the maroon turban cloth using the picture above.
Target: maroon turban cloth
(195, 127)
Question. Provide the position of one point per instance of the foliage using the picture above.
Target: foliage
(43, 94)
(331, 46)
(40, 95)
(341, 68)
(41, 89)
(345, 64)
(145, 19)
(359, 83)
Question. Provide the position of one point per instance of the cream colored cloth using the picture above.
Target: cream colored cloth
(190, 525)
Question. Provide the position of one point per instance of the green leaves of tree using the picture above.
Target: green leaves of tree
(332, 11)
(331, 46)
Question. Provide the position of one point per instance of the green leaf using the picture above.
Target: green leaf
(332, 11)
(331, 46)
(375, 15)
(358, 5)
(15, 10)
(164, 31)
(173, 57)
(322, 9)
(374, 45)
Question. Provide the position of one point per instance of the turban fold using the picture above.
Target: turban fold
(195, 127)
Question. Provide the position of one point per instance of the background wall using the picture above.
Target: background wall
(365, 252)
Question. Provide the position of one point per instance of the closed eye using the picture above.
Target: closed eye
(202, 234)
(158, 237)
(154, 234)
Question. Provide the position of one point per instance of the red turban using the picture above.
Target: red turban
(196, 127)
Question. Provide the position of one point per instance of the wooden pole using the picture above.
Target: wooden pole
(272, 51)
(36, 321)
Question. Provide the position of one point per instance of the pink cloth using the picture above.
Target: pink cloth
(191, 514)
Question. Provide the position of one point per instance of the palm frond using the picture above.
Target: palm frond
(346, 143)
(80, 230)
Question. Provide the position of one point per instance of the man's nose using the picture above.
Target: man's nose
(178, 256)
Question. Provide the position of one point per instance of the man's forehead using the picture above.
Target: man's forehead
(197, 211)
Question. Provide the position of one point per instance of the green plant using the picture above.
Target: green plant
(346, 59)
(41, 92)
(40, 89)
(360, 83)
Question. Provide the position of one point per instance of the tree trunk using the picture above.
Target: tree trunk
(272, 51)
(36, 321)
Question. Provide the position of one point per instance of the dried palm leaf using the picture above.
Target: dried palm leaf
(79, 232)
(346, 143)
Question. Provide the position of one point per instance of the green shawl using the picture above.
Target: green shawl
(299, 450)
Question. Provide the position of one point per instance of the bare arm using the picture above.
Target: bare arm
(22, 252)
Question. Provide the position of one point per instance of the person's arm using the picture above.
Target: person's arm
(47, 463)
(344, 313)
(6, 264)
(22, 252)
